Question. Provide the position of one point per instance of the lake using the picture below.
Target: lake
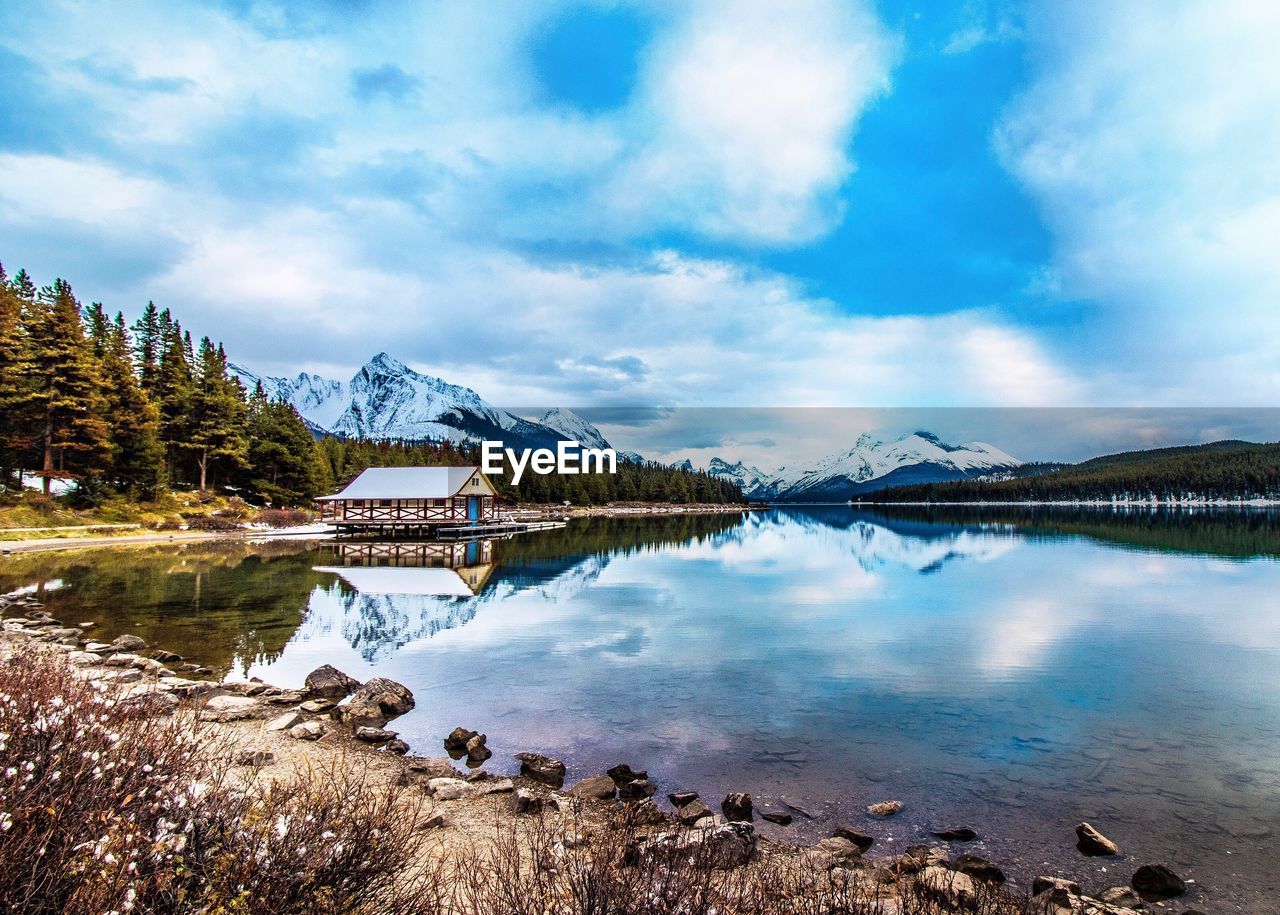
(1013, 671)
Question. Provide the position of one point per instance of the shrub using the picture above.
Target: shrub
(212, 523)
(284, 517)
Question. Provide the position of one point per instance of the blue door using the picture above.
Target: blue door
(473, 508)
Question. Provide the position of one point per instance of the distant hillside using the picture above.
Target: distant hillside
(1216, 471)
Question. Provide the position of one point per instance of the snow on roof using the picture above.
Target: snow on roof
(406, 483)
(436, 581)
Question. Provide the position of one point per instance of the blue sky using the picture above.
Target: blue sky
(709, 203)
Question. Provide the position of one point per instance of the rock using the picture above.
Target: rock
(680, 798)
(165, 657)
(543, 769)
(284, 696)
(692, 812)
(622, 773)
(637, 789)
(1123, 896)
(185, 687)
(957, 834)
(1157, 882)
(1055, 900)
(646, 813)
(149, 703)
(308, 730)
(1093, 843)
(61, 634)
(255, 758)
(885, 808)
(231, 708)
(860, 839)
(397, 746)
(951, 888)
(98, 647)
(831, 852)
(356, 715)
(434, 820)
(129, 643)
(1040, 884)
(737, 808)
(327, 682)
(781, 817)
(449, 789)
(498, 786)
(316, 706)
(83, 658)
(284, 722)
(917, 858)
(477, 752)
(203, 671)
(433, 767)
(393, 698)
(726, 846)
(456, 743)
(526, 802)
(978, 868)
(120, 659)
(595, 788)
(374, 735)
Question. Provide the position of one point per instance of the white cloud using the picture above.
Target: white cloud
(1148, 138)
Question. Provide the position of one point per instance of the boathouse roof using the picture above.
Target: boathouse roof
(406, 483)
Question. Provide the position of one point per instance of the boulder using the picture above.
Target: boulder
(950, 888)
(918, 858)
(327, 682)
(527, 802)
(129, 643)
(831, 852)
(433, 767)
(456, 743)
(737, 808)
(393, 698)
(98, 647)
(1041, 884)
(680, 798)
(595, 788)
(356, 715)
(1093, 843)
(956, 834)
(646, 813)
(498, 786)
(165, 657)
(374, 735)
(255, 758)
(637, 789)
(477, 752)
(1157, 882)
(149, 703)
(230, 708)
(284, 722)
(781, 817)
(308, 730)
(543, 769)
(284, 696)
(726, 846)
(449, 789)
(316, 706)
(692, 812)
(83, 658)
(397, 746)
(622, 773)
(885, 808)
(1124, 896)
(978, 868)
(860, 839)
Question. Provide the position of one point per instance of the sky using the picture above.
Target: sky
(702, 203)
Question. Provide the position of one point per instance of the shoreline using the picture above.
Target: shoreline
(260, 723)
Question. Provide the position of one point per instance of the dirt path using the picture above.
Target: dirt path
(70, 543)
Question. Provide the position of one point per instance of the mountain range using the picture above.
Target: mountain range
(386, 399)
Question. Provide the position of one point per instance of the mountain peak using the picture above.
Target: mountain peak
(385, 362)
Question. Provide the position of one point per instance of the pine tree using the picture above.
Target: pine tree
(15, 382)
(137, 457)
(23, 287)
(286, 465)
(148, 343)
(66, 387)
(217, 413)
(174, 391)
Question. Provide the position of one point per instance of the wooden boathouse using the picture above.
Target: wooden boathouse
(410, 501)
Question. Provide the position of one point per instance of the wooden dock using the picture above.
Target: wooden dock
(494, 529)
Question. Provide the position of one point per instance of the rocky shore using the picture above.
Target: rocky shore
(334, 720)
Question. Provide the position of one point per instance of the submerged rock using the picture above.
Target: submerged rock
(327, 682)
(542, 769)
(1093, 843)
(885, 808)
(623, 773)
(957, 834)
(781, 817)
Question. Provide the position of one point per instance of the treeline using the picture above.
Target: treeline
(1217, 471)
(137, 409)
(645, 482)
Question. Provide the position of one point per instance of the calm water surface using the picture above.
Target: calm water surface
(1008, 671)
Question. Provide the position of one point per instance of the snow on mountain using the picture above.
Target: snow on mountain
(871, 464)
(387, 399)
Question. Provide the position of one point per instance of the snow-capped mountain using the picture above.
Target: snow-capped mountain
(748, 479)
(387, 399)
(871, 464)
